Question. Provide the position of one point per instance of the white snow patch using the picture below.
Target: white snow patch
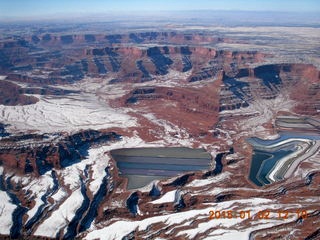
(99, 161)
(172, 133)
(40, 185)
(6, 210)
(60, 218)
(36, 188)
(260, 112)
(121, 228)
(70, 113)
(203, 182)
(59, 195)
(71, 175)
(138, 211)
(223, 227)
(168, 197)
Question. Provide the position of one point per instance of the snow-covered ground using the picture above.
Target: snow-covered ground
(38, 187)
(259, 112)
(69, 177)
(203, 182)
(181, 136)
(167, 197)
(58, 219)
(90, 110)
(6, 210)
(64, 114)
(217, 228)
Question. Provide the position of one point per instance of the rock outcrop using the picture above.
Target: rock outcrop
(39, 154)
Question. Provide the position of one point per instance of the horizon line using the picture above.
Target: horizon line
(138, 13)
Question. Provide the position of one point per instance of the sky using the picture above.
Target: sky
(34, 8)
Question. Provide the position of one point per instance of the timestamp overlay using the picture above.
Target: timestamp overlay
(279, 214)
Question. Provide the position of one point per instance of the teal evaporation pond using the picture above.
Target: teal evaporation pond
(143, 165)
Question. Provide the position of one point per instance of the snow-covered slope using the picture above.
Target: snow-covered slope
(67, 114)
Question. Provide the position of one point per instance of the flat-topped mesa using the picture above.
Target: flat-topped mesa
(298, 82)
(47, 39)
(142, 57)
(193, 109)
(40, 153)
(65, 61)
(11, 94)
(204, 63)
(190, 98)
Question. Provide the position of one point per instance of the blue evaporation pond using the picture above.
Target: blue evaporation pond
(265, 157)
(261, 165)
(143, 165)
(283, 136)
